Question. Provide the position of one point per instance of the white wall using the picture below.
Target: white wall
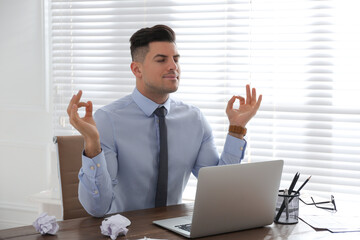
(25, 112)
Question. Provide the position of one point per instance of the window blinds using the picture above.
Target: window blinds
(301, 55)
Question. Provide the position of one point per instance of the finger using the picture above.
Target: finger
(253, 96)
(248, 94)
(257, 106)
(81, 104)
(89, 109)
(230, 104)
(74, 100)
(241, 100)
(77, 97)
(74, 116)
(68, 110)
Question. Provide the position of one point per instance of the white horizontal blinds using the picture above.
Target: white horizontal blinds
(90, 49)
(309, 117)
(301, 55)
(346, 119)
(213, 41)
(214, 48)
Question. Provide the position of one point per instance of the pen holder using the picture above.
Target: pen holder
(289, 207)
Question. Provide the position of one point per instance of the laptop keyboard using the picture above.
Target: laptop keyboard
(185, 227)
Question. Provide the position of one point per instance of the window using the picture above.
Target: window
(301, 55)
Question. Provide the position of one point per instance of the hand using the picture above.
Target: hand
(246, 110)
(85, 125)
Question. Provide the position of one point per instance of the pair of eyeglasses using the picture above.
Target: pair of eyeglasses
(318, 204)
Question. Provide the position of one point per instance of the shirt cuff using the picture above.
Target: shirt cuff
(235, 146)
(93, 167)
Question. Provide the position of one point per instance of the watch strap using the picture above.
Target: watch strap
(237, 129)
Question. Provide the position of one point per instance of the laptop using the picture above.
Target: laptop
(231, 198)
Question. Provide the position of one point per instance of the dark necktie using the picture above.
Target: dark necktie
(162, 184)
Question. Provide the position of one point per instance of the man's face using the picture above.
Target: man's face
(160, 70)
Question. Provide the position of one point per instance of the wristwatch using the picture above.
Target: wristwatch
(237, 129)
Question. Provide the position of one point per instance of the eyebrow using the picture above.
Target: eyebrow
(164, 56)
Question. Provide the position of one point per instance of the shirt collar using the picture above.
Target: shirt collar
(146, 105)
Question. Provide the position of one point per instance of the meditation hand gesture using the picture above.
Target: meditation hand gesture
(85, 125)
(247, 108)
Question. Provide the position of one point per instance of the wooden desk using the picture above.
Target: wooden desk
(89, 228)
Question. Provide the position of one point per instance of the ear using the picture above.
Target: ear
(136, 69)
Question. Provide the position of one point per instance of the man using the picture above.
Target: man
(120, 165)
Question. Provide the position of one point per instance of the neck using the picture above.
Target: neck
(156, 97)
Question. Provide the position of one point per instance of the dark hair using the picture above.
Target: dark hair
(139, 41)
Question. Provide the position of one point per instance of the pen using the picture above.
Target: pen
(303, 184)
(291, 188)
(286, 199)
(301, 187)
(293, 183)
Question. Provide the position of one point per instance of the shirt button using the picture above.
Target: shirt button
(241, 148)
(96, 192)
(98, 165)
(92, 168)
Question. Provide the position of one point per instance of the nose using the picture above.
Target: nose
(173, 65)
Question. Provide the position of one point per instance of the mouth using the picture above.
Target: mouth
(171, 76)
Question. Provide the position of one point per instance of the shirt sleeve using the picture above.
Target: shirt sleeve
(233, 151)
(208, 155)
(95, 179)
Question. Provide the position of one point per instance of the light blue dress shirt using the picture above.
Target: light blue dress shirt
(123, 176)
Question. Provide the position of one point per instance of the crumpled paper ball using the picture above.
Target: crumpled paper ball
(114, 226)
(46, 224)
